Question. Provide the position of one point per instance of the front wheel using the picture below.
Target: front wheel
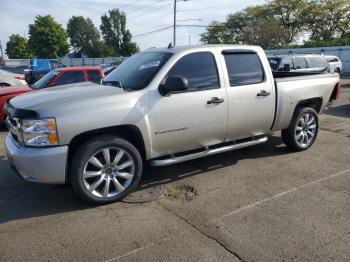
(105, 169)
(302, 130)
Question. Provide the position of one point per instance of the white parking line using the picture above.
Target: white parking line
(137, 250)
(278, 195)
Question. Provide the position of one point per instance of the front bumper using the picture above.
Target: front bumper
(41, 165)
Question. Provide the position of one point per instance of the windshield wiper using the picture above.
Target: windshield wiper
(112, 83)
(117, 83)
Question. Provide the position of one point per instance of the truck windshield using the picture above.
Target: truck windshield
(45, 80)
(138, 71)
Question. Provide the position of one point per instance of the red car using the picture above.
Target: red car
(61, 76)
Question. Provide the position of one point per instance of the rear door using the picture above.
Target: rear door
(189, 120)
(251, 96)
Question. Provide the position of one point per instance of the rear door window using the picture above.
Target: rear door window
(316, 62)
(286, 61)
(70, 78)
(244, 68)
(94, 76)
(299, 63)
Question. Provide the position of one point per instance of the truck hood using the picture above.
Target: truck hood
(60, 96)
(14, 90)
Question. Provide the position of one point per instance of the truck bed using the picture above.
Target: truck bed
(292, 90)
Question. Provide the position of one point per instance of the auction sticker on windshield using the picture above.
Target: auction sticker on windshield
(148, 65)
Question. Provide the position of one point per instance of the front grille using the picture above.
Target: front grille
(13, 122)
(14, 127)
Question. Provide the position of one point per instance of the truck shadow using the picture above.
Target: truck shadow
(340, 111)
(20, 199)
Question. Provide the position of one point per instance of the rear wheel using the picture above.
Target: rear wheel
(337, 70)
(105, 169)
(302, 130)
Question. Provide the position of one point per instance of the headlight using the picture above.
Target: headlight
(39, 132)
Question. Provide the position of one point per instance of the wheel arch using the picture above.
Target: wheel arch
(315, 103)
(131, 133)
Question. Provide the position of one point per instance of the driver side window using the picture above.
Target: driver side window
(199, 69)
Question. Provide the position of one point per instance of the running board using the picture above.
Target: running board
(208, 152)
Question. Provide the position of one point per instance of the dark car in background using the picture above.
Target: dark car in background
(299, 63)
(40, 67)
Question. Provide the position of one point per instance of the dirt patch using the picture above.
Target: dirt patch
(182, 192)
(144, 195)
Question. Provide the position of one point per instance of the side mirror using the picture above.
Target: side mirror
(173, 84)
(286, 68)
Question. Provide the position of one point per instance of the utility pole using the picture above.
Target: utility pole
(175, 10)
(174, 36)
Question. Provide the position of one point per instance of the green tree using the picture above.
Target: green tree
(17, 47)
(267, 34)
(116, 35)
(47, 38)
(100, 49)
(253, 25)
(292, 15)
(216, 34)
(84, 36)
(329, 19)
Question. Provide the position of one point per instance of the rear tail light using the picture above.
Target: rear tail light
(336, 92)
(20, 77)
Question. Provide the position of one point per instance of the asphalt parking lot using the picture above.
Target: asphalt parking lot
(262, 203)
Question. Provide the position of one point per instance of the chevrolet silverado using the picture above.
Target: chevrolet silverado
(160, 107)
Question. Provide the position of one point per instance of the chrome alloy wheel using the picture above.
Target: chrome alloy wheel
(108, 172)
(305, 130)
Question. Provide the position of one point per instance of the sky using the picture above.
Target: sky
(143, 16)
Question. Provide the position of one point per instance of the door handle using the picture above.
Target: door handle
(215, 100)
(263, 93)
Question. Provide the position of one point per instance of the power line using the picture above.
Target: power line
(141, 31)
(154, 31)
(215, 7)
(143, 23)
(156, 10)
(171, 26)
(148, 5)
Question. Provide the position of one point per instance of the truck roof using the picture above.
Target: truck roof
(178, 49)
(294, 55)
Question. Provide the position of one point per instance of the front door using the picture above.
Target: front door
(192, 119)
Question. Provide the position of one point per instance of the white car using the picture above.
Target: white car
(335, 64)
(11, 79)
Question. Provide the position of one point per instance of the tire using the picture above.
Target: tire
(295, 135)
(337, 70)
(86, 173)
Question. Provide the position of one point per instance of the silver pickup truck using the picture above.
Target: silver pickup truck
(160, 107)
